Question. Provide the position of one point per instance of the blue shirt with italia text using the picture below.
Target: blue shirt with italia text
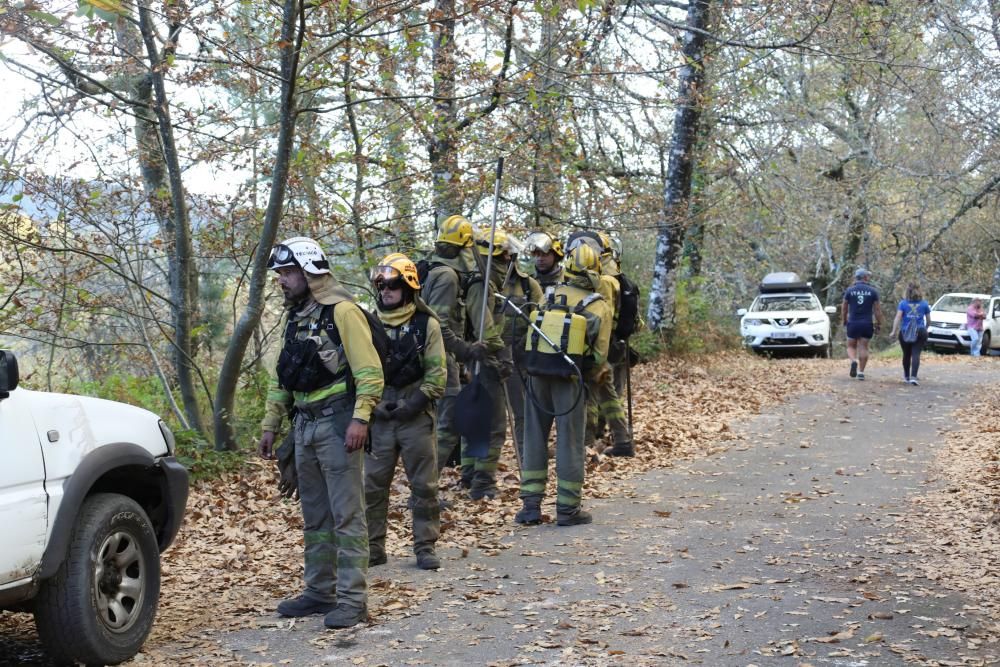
(861, 299)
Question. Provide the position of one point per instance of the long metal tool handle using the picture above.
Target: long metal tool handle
(512, 424)
(489, 257)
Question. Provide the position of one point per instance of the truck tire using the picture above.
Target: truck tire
(100, 605)
(984, 349)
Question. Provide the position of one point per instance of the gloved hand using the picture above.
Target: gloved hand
(288, 481)
(411, 407)
(476, 352)
(384, 410)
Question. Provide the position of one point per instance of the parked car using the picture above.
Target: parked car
(90, 495)
(946, 331)
(786, 315)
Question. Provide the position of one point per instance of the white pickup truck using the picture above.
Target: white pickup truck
(90, 494)
(947, 329)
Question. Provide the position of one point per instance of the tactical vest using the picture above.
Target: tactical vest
(407, 343)
(300, 367)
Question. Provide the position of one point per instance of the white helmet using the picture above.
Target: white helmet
(299, 251)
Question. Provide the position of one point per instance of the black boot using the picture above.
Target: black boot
(531, 513)
(622, 449)
(575, 517)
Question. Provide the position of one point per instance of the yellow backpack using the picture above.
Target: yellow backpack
(571, 328)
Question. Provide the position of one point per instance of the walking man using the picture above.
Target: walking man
(404, 421)
(862, 319)
(330, 372)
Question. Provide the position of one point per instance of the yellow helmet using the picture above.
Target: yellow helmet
(501, 243)
(589, 237)
(544, 242)
(395, 267)
(582, 258)
(456, 230)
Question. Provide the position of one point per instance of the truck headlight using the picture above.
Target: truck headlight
(816, 320)
(168, 437)
(752, 323)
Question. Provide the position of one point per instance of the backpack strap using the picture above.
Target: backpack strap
(586, 301)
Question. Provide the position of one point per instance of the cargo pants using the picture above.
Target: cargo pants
(480, 473)
(554, 395)
(414, 442)
(331, 488)
(447, 437)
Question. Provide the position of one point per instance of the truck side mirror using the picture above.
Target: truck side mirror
(8, 373)
(830, 310)
(741, 312)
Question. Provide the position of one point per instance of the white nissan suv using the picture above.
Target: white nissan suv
(786, 315)
(90, 494)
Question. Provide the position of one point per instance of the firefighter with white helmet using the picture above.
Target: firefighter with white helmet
(331, 373)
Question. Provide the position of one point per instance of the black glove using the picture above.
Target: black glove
(476, 352)
(288, 481)
(411, 407)
(384, 410)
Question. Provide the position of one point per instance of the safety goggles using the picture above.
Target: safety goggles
(538, 242)
(386, 277)
(281, 255)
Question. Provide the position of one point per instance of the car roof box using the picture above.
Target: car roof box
(784, 281)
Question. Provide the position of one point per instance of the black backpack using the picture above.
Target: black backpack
(628, 308)
(380, 339)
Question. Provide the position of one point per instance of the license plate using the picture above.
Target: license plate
(784, 334)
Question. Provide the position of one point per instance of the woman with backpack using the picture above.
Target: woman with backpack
(911, 322)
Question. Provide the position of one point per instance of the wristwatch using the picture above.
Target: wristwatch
(360, 420)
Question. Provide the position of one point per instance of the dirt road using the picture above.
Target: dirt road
(784, 550)
(789, 545)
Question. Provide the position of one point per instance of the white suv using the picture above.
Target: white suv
(786, 315)
(90, 494)
(947, 329)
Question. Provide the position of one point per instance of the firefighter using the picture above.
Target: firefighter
(404, 423)
(454, 290)
(333, 386)
(521, 290)
(547, 252)
(555, 391)
(508, 280)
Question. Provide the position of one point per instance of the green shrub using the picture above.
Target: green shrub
(203, 461)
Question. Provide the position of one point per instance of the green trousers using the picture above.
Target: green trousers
(413, 442)
(447, 437)
(331, 487)
(554, 395)
(604, 403)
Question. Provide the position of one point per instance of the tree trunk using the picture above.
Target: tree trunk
(181, 287)
(546, 174)
(229, 373)
(443, 152)
(677, 185)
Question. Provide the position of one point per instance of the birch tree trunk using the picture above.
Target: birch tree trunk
(677, 186)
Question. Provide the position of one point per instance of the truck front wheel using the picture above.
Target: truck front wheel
(100, 605)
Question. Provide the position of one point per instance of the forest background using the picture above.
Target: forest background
(154, 152)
